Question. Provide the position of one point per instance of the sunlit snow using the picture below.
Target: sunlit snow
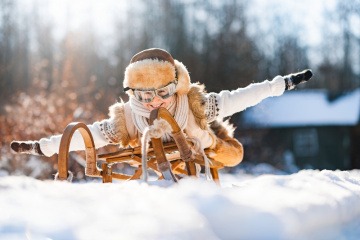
(309, 204)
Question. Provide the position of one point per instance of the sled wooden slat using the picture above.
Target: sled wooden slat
(176, 167)
(137, 174)
(215, 175)
(168, 147)
(106, 173)
(120, 176)
(151, 163)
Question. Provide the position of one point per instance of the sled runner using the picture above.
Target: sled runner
(170, 161)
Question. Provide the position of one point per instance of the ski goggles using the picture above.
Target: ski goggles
(147, 95)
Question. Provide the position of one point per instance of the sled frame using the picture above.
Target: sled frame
(170, 161)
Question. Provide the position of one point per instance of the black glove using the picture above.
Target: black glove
(28, 147)
(294, 79)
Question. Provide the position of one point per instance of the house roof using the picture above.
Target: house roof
(304, 108)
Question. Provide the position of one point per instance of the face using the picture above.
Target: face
(159, 102)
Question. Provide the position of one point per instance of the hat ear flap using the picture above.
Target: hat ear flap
(183, 77)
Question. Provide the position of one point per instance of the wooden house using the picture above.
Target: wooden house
(305, 127)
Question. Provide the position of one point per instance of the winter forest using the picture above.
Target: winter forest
(63, 61)
(55, 72)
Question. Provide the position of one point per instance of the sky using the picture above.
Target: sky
(309, 204)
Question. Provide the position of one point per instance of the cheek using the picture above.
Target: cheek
(168, 101)
(147, 105)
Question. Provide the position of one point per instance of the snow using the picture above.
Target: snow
(303, 108)
(309, 204)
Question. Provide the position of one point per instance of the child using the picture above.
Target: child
(154, 79)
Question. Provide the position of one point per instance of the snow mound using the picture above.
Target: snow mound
(309, 204)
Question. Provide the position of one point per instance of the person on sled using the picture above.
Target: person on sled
(155, 79)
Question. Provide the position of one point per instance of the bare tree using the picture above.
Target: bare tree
(340, 67)
(14, 50)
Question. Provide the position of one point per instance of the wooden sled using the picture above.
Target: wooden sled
(170, 161)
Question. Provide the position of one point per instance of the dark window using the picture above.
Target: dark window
(306, 142)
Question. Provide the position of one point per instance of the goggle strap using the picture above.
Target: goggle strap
(176, 81)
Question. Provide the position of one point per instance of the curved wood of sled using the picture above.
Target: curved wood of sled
(91, 168)
(186, 154)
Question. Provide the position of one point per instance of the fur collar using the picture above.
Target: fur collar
(197, 101)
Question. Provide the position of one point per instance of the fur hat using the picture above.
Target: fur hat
(155, 68)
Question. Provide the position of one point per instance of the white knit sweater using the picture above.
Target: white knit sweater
(219, 105)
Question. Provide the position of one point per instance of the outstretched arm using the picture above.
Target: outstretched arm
(226, 103)
(231, 102)
(49, 146)
(109, 131)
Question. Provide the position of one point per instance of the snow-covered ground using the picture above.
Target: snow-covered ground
(309, 204)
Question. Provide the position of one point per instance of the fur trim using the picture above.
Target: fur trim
(183, 77)
(153, 73)
(197, 102)
(229, 152)
(223, 129)
(117, 113)
(148, 74)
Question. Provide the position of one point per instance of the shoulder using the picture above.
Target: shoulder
(197, 95)
(117, 109)
(203, 105)
(119, 114)
(196, 89)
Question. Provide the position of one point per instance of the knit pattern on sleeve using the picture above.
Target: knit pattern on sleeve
(108, 130)
(212, 107)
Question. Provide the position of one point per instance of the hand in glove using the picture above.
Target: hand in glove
(294, 79)
(28, 147)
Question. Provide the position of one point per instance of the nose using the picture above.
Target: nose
(157, 99)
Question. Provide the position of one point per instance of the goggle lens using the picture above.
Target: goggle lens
(148, 95)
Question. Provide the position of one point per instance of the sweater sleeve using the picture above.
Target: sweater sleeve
(226, 103)
(102, 132)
